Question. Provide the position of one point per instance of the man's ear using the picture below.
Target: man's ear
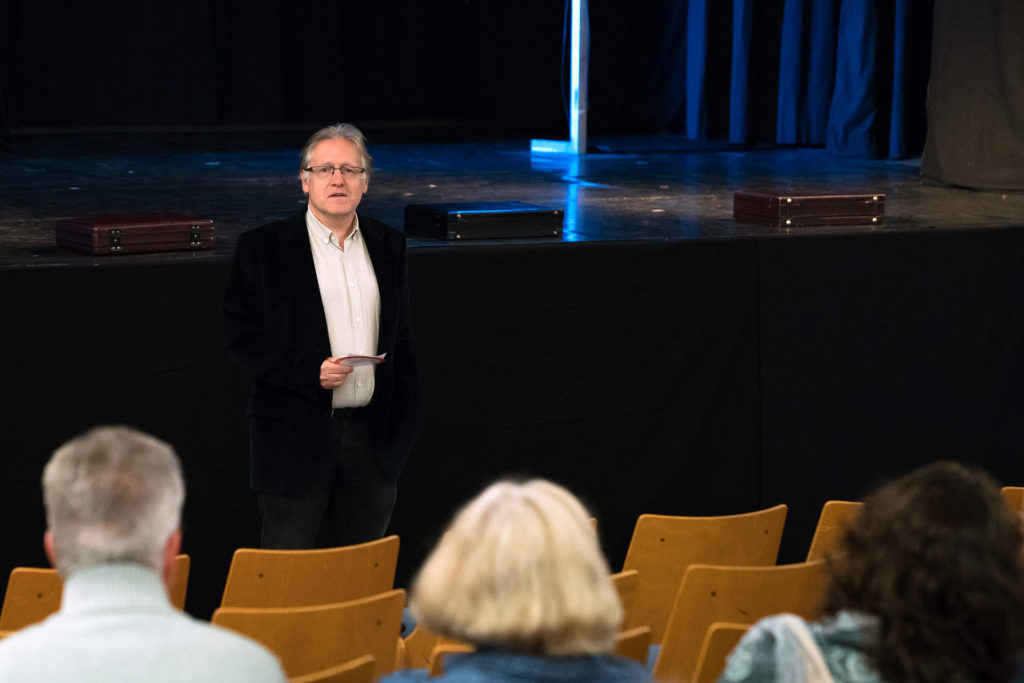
(51, 552)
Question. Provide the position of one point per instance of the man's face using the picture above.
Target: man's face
(334, 200)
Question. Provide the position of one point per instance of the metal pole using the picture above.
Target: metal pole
(579, 26)
(580, 60)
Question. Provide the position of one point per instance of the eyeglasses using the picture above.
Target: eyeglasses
(347, 172)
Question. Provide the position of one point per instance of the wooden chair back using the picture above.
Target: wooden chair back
(1014, 495)
(301, 578)
(710, 594)
(313, 638)
(626, 583)
(34, 593)
(360, 670)
(663, 547)
(633, 644)
(720, 640)
(179, 589)
(418, 646)
(446, 648)
(835, 515)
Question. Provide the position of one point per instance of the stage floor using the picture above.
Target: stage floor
(658, 187)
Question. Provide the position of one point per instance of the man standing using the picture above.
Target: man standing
(113, 513)
(328, 434)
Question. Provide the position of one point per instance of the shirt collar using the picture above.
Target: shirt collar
(321, 232)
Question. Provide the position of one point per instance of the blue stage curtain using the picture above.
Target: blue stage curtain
(854, 108)
(807, 60)
(898, 143)
(742, 30)
(696, 69)
(846, 70)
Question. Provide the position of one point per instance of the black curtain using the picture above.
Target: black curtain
(196, 62)
(976, 96)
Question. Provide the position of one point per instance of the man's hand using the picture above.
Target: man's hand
(333, 374)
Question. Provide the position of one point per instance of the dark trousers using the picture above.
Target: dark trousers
(351, 503)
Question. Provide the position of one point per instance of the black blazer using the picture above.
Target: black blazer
(275, 328)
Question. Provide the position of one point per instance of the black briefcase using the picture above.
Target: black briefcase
(482, 220)
(790, 208)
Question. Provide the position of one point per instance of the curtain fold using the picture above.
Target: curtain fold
(853, 111)
(696, 69)
(742, 30)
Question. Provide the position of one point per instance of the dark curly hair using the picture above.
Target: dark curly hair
(937, 556)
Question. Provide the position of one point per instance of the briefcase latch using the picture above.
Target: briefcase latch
(115, 240)
(196, 240)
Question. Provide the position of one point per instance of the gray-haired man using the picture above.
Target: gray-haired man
(113, 509)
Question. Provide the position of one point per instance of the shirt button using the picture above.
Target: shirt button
(359, 320)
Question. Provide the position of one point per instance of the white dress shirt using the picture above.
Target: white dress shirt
(348, 288)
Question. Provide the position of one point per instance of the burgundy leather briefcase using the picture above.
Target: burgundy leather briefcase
(795, 208)
(138, 233)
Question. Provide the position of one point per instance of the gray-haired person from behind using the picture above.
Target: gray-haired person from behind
(520, 575)
(113, 500)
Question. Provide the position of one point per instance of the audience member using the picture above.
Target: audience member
(113, 501)
(519, 575)
(929, 586)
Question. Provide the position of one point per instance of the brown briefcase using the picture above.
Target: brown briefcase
(138, 233)
(795, 208)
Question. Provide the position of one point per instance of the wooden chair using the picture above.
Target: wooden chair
(721, 639)
(179, 589)
(35, 593)
(633, 644)
(1014, 495)
(318, 637)
(360, 670)
(32, 595)
(418, 646)
(663, 547)
(626, 583)
(437, 655)
(835, 515)
(301, 578)
(710, 594)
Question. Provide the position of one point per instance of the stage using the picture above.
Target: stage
(659, 357)
(653, 187)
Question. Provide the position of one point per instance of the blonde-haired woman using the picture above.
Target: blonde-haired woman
(519, 574)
